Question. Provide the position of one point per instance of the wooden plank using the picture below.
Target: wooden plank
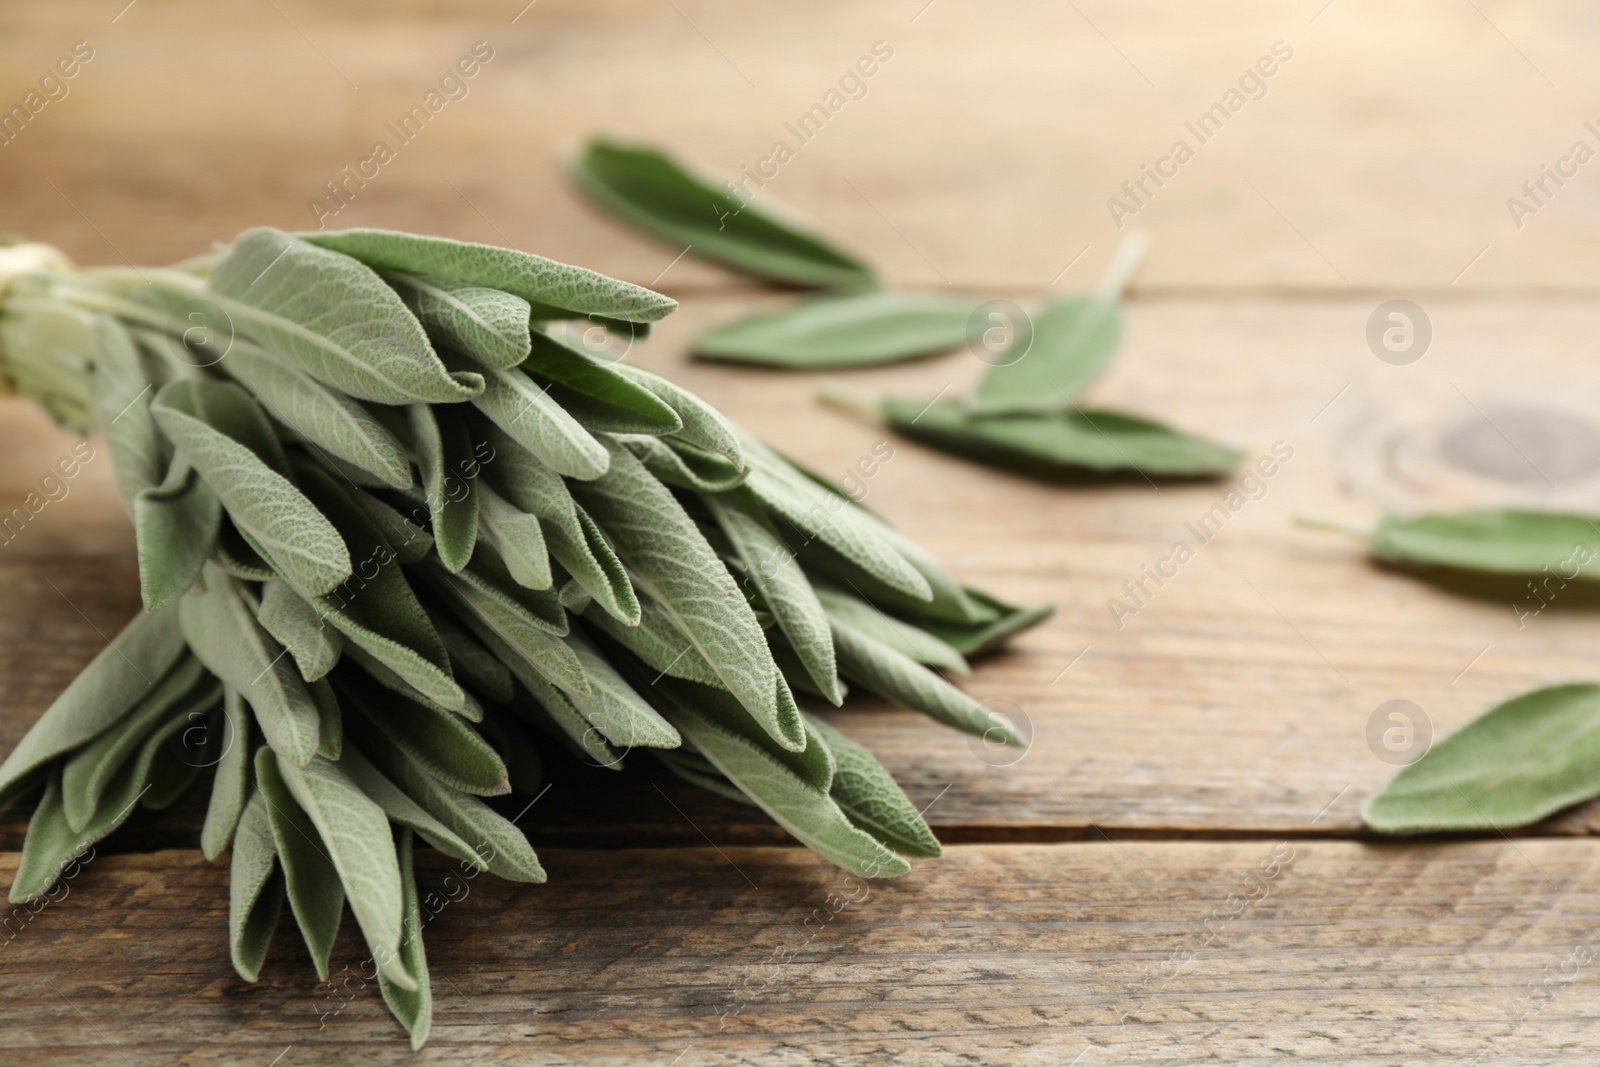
(1237, 700)
(983, 154)
(1162, 953)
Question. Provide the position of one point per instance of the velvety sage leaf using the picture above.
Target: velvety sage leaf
(409, 542)
(514, 742)
(87, 773)
(448, 747)
(812, 764)
(312, 883)
(470, 710)
(471, 661)
(646, 188)
(326, 417)
(773, 569)
(535, 279)
(488, 324)
(672, 562)
(831, 519)
(176, 526)
(974, 639)
(222, 630)
(50, 846)
(517, 639)
(869, 797)
(229, 410)
(495, 839)
(908, 640)
(794, 670)
(330, 719)
(122, 394)
(355, 832)
(489, 574)
(1048, 367)
(684, 466)
(572, 537)
(263, 503)
(516, 536)
(1062, 444)
(401, 809)
(703, 425)
(171, 775)
(526, 411)
(851, 331)
(1501, 542)
(299, 627)
(553, 712)
(449, 478)
(413, 1007)
(255, 890)
(118, 678)
(895, 676)
(237, 558)
(334, 316)
(612, 706)
(230, 787)
(812, 817)
(376, 608)
(657, 640)
(1515, 764)
(599, 397)
(707, 777)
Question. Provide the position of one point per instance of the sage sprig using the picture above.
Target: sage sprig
(391, 530)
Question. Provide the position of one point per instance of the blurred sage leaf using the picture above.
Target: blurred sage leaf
(852, 331)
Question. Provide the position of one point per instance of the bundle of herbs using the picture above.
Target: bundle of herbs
(396, 536)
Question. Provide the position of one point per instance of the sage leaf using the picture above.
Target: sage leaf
(360, 847)
(684, 466)
(518, 639)
(812, 817)
(299, 627)
(524, 764)
(895, 676)
(612, 706)
(449, 478)
(658, 641)
(1069, 344)
(706, 777)
(869, 797)
(470, 660)
(413, 1007)
(851, 331)
(1062, 444)
(910, 641)
(401, 809)
(647, 189)
(524, 409)
(222, 630)
(1519, 762)
(553, 712)
(494, 838)
(516, 536)
(450, 749)
(255, 890)
(122, 394)
(409, 542)
(325, 417)
(170, 776)
(334, 316)
(600, 398)
(703, 425)
(772, 567)
(670, 559)
(176, 523)
(330, 720)
(118, 677)
(977, 638)
(263, 503)
(573, 290)
(487, 324)
(230, 787)
(87, 774)
(1501, 542)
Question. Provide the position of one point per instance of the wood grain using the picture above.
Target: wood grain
(1141, 952)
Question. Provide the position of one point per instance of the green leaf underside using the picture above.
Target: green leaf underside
(441, 742)
(647, 189)
(1061, 443)
(906, 638)
(176, 525)
(334, 316)
(263, 503)
(449, 480)
(870, 798)
(230, 788)
(1502, 542)
(1519, 762)
(413, 1007)
(597, 395)
(533, 278)
(671, 560)
(851, 331)
(487, 324)
(255, 890)
(1070, 343)
(298, 626)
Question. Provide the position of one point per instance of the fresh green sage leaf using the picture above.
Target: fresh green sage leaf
(703, 425)
(911, 641)
(449, 478)
(870, 798)
(524, 409)
(487, 324)
(516, 536)
(612, 706)
(230, 787)
(122, 395)
(1501, 542)
(413, 1007)
(299, 627)
(1049, 365)
(449, 748)
(599, 397)
(648, 189)
(176, 523)
(682, 465)
(852, 331)
(255, 890)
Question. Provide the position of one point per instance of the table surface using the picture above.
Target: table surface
(1102, 896)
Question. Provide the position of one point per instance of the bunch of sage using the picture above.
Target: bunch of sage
(1528, 757)
(1024, 415)
(396, 536)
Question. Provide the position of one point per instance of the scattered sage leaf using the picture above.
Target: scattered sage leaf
(851, 331)
(1070, 342)
(1502, 542)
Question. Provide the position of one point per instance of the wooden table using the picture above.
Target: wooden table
(1094, 903)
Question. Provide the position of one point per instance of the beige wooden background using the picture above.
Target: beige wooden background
(1084, 908)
